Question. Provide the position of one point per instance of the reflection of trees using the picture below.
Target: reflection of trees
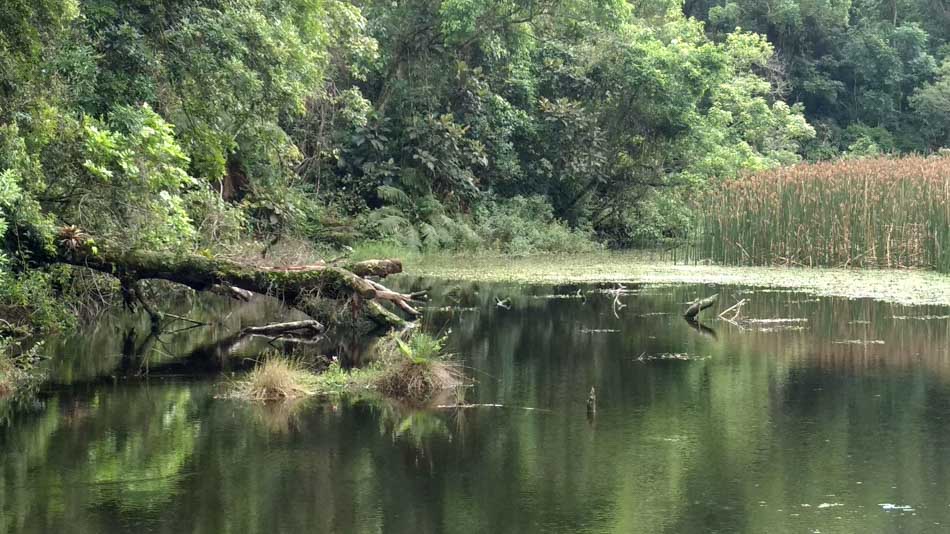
(785, 418)
(760, 405)
(120, 340)
(122, 451)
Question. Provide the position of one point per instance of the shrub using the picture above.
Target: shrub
(519, 225)
(17, 366)
(526, 225)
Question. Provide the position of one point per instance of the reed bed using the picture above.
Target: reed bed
(891, 213)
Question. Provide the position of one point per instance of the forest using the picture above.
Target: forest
(474, 265)
(229, 127)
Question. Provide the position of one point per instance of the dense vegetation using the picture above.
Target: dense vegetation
(226, 127)
(874, 77)
(874, 212)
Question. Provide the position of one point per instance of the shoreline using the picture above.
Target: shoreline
(905, 287)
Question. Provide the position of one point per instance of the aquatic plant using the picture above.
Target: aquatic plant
(276, 378)
(409, 365)
(419, 367)
(880, 212)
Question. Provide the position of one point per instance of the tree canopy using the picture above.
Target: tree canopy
(188, 126)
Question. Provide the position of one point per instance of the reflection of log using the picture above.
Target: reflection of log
(699, 306)
(702, 329)
(299, 287)
(299, 327)
(211, 357)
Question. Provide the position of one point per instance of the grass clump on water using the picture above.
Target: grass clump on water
(276, 378)
(410, 366)
(418, 367)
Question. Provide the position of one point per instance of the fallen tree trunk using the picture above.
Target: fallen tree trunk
(699, 306)
(299, 287)
(275, 329)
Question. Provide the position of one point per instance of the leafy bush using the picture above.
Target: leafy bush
(520, 225)
(663, 218)
(526, 225)
(421, 348)
(17, 366)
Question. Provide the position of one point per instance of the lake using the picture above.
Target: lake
(805, 415)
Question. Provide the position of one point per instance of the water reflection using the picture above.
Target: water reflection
(762, 429)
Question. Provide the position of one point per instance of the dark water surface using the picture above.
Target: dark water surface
(836, 422)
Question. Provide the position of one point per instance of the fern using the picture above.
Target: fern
(430, 235)
(394, 195)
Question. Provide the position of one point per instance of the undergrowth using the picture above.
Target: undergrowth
(17, 366)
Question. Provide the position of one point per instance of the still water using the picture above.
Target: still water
(835, 419)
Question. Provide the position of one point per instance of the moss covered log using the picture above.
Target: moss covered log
(301, 287)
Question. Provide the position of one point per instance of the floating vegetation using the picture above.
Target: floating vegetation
(859, 322)
(909, 287)
(489, 405)
(778, 324)
(410, 365)
(884, 212)
(598, 331)
(766, 290)
(920, 317)
(618, 290)
(455, 309)
(680, 356)
(859, 342)
(652, 314)
(780, 328)
(830, 505)
(669, 439)
(888, 507)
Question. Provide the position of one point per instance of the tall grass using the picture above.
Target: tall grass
(862, 213)
(275, 378)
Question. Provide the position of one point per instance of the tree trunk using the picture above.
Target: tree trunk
(699, 306)
(299, 287)
(310, 327)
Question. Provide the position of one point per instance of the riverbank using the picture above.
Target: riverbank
(909, 287)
